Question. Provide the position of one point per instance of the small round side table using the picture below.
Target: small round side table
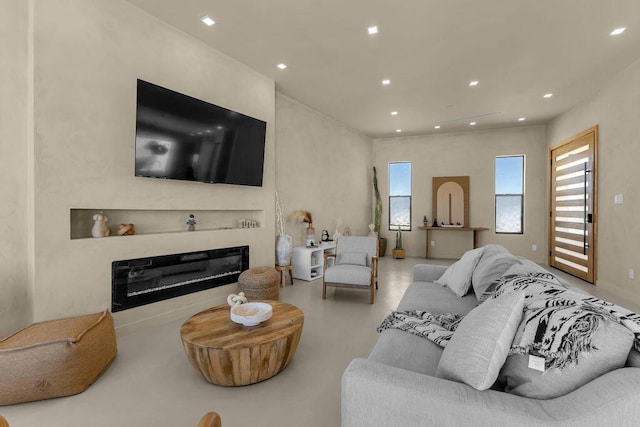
(282, 271)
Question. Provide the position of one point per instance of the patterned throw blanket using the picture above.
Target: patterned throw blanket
(437, 328)
(558, 322)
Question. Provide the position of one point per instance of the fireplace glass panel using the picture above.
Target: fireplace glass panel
(141, 281)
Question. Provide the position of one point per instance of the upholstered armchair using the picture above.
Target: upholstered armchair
(354, 265)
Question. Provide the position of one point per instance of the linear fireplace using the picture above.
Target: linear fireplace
(140, 281)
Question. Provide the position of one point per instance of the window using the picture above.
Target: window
(400, 196)
(509, 190)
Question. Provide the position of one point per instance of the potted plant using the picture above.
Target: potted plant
(382, 241)
(398, 252)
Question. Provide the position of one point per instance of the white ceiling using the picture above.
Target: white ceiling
(430, 50)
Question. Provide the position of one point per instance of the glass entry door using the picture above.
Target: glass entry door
(573, 216)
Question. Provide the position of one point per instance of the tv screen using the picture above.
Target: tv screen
(180, 137)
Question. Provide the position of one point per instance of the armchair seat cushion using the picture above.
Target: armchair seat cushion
(348, 274)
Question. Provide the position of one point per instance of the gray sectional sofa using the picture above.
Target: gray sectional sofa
(400, 384)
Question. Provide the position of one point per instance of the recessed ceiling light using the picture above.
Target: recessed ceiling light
(473, 83)
(372, 30)
(394, 113)
(617, 31)
(547, 95)
(208, 20)
(386, 82)
(282, 66)
(522, 119)
(436, 127)
(398, 130)
(472, 124)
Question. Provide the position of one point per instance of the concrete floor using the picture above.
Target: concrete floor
(151, 382)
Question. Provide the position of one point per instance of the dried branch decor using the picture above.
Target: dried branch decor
(300, 216)
(279, 215)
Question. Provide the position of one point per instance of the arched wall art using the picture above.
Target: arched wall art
(450, 200)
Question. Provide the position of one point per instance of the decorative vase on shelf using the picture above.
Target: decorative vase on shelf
(100, 227)
(283, 249)
(310, 236)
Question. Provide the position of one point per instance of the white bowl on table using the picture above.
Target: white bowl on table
(251, 313)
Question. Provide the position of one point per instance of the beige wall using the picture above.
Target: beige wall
(89, 54)
(472, 154)
(615, 109)
(15, 307)
(322, 167)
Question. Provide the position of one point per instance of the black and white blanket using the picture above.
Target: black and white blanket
(438, 328)
(558, 322)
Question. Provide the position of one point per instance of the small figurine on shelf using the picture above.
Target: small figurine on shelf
(100, 227)
(325, 236)
(337, 234)
(191, 222)
(126, 230)
(435, 222)
(425, 221)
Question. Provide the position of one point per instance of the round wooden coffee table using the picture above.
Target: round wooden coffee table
(229, 354)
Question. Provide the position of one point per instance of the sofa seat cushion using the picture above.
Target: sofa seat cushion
(435, 299)
(406, 351)
(346, 273)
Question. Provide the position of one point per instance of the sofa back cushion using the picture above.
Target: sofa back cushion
(479, 346)
(495, 261)
(612, 343)
(457, 278)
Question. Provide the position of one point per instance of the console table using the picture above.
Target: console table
(474, 229)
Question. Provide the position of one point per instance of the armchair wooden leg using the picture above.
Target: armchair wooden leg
(373, 294)
(324, 289)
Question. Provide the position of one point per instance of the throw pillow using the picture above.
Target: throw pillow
(479, 346)
(457, 277)
(612, 342)
(353, 258)
(495, 261)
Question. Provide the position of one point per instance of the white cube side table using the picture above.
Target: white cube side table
(308, 263)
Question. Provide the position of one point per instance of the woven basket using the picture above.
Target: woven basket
(260, 283)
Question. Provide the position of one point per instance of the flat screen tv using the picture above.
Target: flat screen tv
(180, 137)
